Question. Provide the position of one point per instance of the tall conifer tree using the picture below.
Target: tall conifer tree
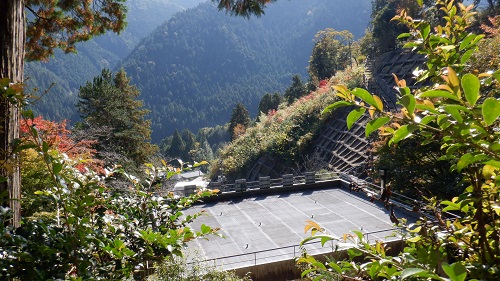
(111, 106)
(296, 90)
(240, 116)
(177, 146)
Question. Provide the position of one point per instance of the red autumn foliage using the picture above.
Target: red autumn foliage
(58, 137)
(492, 27)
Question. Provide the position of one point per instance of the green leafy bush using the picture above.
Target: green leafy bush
(175, 268)
(95, 231)
(461, 114)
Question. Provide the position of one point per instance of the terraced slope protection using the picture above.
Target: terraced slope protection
(337, 148)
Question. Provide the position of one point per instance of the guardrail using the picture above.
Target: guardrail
(399, 200)
(241, 185)
(290, 252)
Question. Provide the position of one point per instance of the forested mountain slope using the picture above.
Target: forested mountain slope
(193, 69)
(70, 71)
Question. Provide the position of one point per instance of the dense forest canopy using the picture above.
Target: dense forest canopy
(193, 69)
(70, 71)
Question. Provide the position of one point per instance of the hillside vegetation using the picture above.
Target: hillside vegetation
(286, 133)
(193, 69)
(70, 71)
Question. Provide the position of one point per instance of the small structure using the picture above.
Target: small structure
(188, 182)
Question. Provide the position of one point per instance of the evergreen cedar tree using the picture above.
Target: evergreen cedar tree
(296, 90)
(109, 105)
(240, 119)
(53, 24)
(177, 145)
(270, 102)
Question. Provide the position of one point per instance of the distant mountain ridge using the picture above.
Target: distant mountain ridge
(70, 71)
(193, 69)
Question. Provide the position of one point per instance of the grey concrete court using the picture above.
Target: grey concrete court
(268, 228)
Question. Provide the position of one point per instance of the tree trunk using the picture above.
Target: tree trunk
(12, 40)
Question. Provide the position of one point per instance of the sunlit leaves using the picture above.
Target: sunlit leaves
(414, 272)
(490, 110)
(313, 226)
(471, 85)
(402, 133)
(439, 94)
(459, 113)
(456, 271)
(335, 105)
(408, 101)
(62, 24)
(376, 124)
(368, 98)
(354, 116)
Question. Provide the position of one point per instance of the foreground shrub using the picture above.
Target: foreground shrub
(175, 268)
(460, 113)
(94, 231)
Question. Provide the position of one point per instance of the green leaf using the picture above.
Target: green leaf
(428, 119)
(376, 124)
(334, 106)
(466, 56)
(453, 111)
(491, 110)
(359, 234)
(56, 167)
(354, 252)
(354, 116)
(325, 239)
(451, 206)
(425, 107)
(403, 35)
(443, 121)
(453, 148)
(366, 97)
(45, 146)
(409, 272)
(402, 133)
(205, 229)
(404, 91)
(411, 44)
(374, 269)
(496, 75)
(3, 179)
(425, 30)
(466, 42)
(471, 85)
(456, 271)
(335, 267)
(493, 163)
(464, 161)
(305, 272)
(24, 147)
(409, 103)
(28, 114)
(439, 94)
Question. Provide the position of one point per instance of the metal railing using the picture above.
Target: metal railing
(399, 200)
(293, 251)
